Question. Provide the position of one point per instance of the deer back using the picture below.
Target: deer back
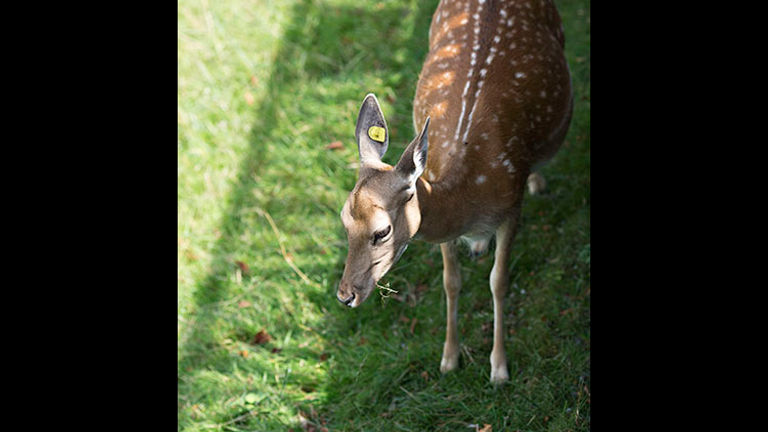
(497, 88)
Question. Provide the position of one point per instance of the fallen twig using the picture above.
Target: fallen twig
(382, 289)
(285, 255)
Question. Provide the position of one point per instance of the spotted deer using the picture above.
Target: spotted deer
(494, 101)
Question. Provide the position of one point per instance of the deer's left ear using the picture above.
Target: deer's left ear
(371, 131)
(414, 158)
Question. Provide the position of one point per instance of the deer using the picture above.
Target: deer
(494, 101)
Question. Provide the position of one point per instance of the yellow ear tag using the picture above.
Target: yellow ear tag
(377, 133)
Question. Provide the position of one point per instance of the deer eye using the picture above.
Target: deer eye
(378, 235)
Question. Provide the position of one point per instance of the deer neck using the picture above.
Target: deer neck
(440, 216)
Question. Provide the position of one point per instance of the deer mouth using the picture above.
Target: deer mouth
(361, 293)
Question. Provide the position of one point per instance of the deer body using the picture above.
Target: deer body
(497, 89)
(494, 98)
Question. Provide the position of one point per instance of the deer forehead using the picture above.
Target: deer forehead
(369, 204)
(363, 217)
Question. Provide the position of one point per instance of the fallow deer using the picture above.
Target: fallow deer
(494, 100)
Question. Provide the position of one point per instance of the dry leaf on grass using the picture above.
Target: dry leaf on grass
(261, 337)
(243, 304)
(243, 266)
(249, 99)
(334, 145)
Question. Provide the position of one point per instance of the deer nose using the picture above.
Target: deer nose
(346, 301)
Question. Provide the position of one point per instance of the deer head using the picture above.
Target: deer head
(381, 214)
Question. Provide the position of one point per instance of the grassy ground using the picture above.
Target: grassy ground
(263, 88)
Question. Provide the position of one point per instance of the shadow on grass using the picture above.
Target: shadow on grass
(352, 58)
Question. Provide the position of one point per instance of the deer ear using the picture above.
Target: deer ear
(414, 158)
(371, 131)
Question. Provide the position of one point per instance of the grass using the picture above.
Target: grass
(263, 87)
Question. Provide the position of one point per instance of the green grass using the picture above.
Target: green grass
(263, 87)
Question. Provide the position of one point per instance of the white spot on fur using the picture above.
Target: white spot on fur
(519, 75)
(507, 163)
(480, 179)
(463, 107)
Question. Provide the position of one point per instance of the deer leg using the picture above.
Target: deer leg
(536, 183)
(499, 282)
(452, 285)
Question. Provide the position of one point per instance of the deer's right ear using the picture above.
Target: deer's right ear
(371, 131)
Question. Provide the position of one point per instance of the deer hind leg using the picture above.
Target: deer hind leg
(499, 282)
(452, 286)
(536, 183)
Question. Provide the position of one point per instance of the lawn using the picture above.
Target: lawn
(264, 89)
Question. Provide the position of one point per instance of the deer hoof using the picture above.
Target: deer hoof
(448, 364)
(499, 375)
